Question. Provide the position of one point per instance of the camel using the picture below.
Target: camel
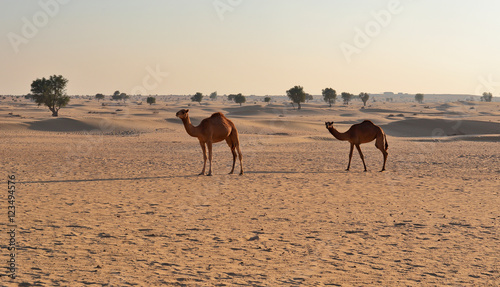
(211, 130)
(361, 133)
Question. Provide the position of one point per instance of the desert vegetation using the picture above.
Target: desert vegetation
(50, 92)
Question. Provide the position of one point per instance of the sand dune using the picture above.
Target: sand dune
(93, 125)
(440, 127)
(109, 196)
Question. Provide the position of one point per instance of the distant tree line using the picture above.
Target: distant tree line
(298, 96)
(51, 92)
(117, 96)
(237, 98)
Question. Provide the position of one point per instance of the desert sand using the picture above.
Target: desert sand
(110, 196)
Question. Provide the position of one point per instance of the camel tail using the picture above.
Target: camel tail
(386, 144)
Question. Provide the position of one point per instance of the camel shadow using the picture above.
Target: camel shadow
(180, 176)
(291, 172)
(109, 179)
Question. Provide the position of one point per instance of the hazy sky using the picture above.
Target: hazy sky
(256, 47)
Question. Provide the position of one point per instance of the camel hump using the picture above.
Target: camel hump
(217, 115)
(368, 122)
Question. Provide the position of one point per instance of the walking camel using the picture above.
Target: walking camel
(360, 133)
(211, 130)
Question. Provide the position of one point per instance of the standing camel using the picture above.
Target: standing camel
(364, 132)
(211, 130)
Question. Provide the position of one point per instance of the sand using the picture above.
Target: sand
(109, 196)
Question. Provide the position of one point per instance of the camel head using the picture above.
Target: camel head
(329, 125)
(182, 114)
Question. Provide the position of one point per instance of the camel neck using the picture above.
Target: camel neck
(190, 129)
(337, 135)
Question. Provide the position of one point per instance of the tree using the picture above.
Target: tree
(151, 100)
(364, 97)
(116, 96)
(240, 99)
(329, 95)
(124, 97)
(419, 98)
(309, 97)
(197, 97)
(297, 95)
(347, 97)
(487, 97)
(99, 97)
(213, 96)
(231, 97)
(267, 99)
(50, 92)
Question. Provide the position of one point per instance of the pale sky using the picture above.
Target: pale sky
(259, 47)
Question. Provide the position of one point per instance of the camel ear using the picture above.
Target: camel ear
(187, 110)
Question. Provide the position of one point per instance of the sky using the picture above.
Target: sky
(253, 47)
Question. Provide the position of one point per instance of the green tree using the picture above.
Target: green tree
(240, 99)
(213, 96)
(51, 92)
(364, 97)
(99, 97)
(329, 96)
(124, 97)
(419, 98)
(231, 97)
(151, 100)
(197, 97)
(297, 95)
(487, 97)
(116, 96)
(267, 99)
(347, 97)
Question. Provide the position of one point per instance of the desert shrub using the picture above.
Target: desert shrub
(419, 98)
(151, 100)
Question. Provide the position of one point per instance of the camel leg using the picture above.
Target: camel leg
(204, 149)
(350, 157)
(384, 152)
(361, 155)
(233, 151)
(385, 159)
(380, 145)
(234, 160)
(209, 145)
(240, 157)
